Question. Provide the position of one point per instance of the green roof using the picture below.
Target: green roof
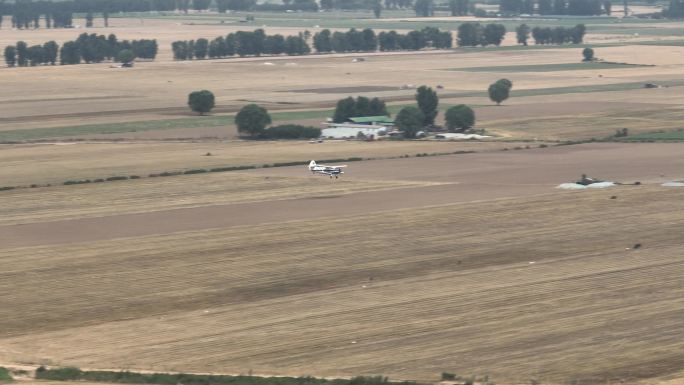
(372, 119)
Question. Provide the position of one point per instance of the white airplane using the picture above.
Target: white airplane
(331, 171)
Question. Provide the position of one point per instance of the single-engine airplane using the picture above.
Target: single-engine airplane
(331, 171)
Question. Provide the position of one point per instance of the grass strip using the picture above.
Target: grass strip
(549, 67)
(126, 377)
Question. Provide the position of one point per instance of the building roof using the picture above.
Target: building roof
(372, 119)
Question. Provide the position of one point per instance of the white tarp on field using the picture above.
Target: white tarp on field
(674, 184)
(577, 186)
(459, 136)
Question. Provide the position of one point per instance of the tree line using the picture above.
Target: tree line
(366, 40)
(241, 43)
(556, 7)
(558, 35)
(257, 42)
(88, 48)
(474, 34)
(361, 106)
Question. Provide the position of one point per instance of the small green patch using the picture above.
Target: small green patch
(75, 374)
(5, 375)
(665, 136)
(550, 67)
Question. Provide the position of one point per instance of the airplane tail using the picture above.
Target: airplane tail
(312, 164)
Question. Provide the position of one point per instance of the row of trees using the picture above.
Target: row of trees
(22, 55)
(361, 106)
(88, 48)
(548, 35)
(474, 34)
(257, 42)
(556, 7)
(410, 120)
(241, 43)
(367, 41)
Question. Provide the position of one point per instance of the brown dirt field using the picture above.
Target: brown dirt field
(451, 290)
(51, 163)
(466, 178)
(142, 195)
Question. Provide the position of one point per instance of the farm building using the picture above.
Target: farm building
(370, 126)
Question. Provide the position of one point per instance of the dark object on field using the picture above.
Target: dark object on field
(440, 87)
(637, 183)
(207, 154)
(613, 197)
(651, 85)
(637, 246)
(586, 181)
(127, 65)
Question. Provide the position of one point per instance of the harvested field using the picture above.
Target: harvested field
(549, 67)
(641, 122)
(585, 310)
(142, 195)
(345, 90)
(50, 163)
(162, 86)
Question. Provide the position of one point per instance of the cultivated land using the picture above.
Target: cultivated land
(407, 267)
(401, 281)
(101, 102)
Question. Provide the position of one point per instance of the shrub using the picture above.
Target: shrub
(7, 188)
(285, 164)
(621, 133)
(113, 178)
(448, 376)
(291, 131)
(170, 173)
(195, 171)
(134, 177)
(59, 374)
(231, 168)
(70, 182)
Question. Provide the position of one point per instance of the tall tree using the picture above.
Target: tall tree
(522, 33)
(377, 8)
(409, 120)
(252, 120)
(424, 8)
(363, 106)
(378, 107)
(459, 118)
(545, 7)
(51, 50)
(11, 55)
(470, 34)
(200, 5)
(494, 34)
(345, 109)
(201, 48)
(201, 101)
(427, 103)
(22, 54)
(499, 91)
(69, 53)
(322, 42)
